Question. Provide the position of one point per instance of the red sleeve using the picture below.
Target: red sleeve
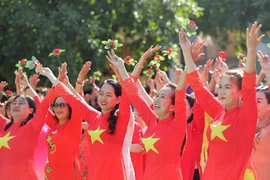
(137, 134)
(39, 119)
(145, 112)
(248, 112)
(198, 118)
(37, 100)
(180, 110)
(85, 111)
(50, 119)
(123, 114)
(204, 98)
(3, 122)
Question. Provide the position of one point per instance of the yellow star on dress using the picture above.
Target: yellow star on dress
(149, 143)
(217, 130)
(4, 140)
(95, 135)
(249, 174)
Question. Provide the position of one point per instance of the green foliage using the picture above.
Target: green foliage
(34, 27)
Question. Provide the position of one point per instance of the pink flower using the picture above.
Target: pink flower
(149, 70)
(169, 51)
(192, 22)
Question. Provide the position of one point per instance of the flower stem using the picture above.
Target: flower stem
(59, 62)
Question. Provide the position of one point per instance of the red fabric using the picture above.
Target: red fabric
(106, 159)
(163, 159)
(63, 146)
(229, 158)
(192, 152)
(17, 161)
(137, 158)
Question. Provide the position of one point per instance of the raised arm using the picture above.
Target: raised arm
(210, 104)
(131, 89)
(81, 77)
(249, 80)
(81, 107)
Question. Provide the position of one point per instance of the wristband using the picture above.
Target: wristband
(27, 87)
(79, 82)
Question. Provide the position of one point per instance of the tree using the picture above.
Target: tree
(35, 27)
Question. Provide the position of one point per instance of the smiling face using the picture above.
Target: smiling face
(262, 105)
(228, 93)
(20, 108)
(61, 109)
(163, 104)
(107, 98)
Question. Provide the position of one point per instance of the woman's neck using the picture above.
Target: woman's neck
(62, 121)
(263, 121)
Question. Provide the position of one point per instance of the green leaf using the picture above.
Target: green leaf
(34, 58)
(36, 70)
(107, 47)
(48, 169)
(28, 63)
(119, 45)
(104, 42)
(18, 65)
(31, 66)
(268, 45)
(51, 54)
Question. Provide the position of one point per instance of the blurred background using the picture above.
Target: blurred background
(36, 27)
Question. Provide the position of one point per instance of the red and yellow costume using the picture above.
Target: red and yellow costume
(106, 158)
(18, 143)
(162, 140)
(231, 133)
(192, 151)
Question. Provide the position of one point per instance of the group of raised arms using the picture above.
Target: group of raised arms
(218, 130)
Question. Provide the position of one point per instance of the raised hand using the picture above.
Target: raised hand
(264, 61)
(23, 79)
(3, 84)
(221, 66)
(62, 73)
(184, 41)
(45, 71)
(216, 75)
(182, 83)
(206, 68)
(196, 51)
(139, 66)
(176, 72)
(114, 59)
(116, 72)
(252, 36)
(85, 69)
(33, 80)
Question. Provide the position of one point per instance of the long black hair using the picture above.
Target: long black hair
(190, 101)
(31, 104)
(112, 120)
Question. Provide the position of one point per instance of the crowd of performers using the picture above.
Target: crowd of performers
(130, 134)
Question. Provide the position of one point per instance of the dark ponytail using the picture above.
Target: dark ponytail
(31, 104)
(112, 119)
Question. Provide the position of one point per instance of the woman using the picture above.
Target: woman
(18, 137)
(107, 128)
(262, 138)
(166, 124)
(8, 107)
(233, 127)
(190, 160)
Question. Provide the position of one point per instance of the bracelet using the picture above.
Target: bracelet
(78, 82)
(27, 87)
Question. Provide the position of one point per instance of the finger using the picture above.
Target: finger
(110, 55)
(258, 29)
(247, 33)
(253, 28)
(260, 38)
(109, 59)
(201, 55)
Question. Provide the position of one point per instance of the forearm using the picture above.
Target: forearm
(144, 94)
(190, 65)
(123, 73)
(251, 61)
(30, 91)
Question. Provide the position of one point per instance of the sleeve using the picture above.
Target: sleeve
(79, 107)
(123, 114)
(39, 118)
(137, 135)
(180, 110)
(37, 100)
(204, 98)
(198, 118)
(248, 112)
(145, 112)
(3, 122)
(50, 119)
